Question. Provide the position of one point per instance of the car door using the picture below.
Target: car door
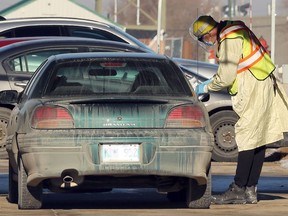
(20, 68)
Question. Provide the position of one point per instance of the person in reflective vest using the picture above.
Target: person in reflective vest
(246, 70)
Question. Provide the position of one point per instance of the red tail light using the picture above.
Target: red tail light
(113, 64)
(52, 117)
(186, 117)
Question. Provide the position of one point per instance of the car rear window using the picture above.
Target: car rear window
(116, 76)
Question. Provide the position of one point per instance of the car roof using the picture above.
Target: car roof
(91, 55)
(24, 21)
(47, 42)
(7, 24)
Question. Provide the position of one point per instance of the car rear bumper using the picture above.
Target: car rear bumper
(47, 154)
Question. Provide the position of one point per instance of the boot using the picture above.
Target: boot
(251, 195)
(234, 195)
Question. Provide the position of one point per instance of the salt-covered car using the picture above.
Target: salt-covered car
(98, 121)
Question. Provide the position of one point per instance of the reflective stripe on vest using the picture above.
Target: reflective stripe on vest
(256, 51)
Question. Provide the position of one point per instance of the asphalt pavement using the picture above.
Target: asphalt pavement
(272, 194)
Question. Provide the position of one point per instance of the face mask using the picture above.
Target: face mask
(206, 45)
(209, 43)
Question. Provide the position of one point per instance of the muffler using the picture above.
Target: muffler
(68, 182)
(67, 179)
(70, 178)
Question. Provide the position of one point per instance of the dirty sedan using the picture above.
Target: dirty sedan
(91, 122)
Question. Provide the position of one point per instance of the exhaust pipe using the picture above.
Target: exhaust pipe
(68, 182)
(70, 178)
(67, 179)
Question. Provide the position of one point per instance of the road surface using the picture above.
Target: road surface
(272, 188)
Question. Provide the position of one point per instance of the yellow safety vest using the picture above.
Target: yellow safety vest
(254, 56)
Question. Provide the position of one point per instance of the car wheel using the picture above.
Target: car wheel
(28, 197)
(4, 119)
(13, 187)
(199, 196)
(225, 149)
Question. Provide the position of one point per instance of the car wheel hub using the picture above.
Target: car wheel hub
(225, 138)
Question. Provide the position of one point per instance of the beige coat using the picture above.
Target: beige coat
(263, 112)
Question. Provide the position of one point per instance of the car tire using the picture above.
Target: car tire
(28, 197)
(13, 187)
(225, 148)
(199, 196)
(4, 119)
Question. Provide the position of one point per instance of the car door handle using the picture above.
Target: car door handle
(21, 83)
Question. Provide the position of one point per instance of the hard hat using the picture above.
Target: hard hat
(201, 26)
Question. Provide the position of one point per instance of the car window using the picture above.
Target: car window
(7, 34)
(116, 77)
(88, 32)
(29, 62)
(31, 31)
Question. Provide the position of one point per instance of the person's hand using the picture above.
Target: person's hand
(202, 88)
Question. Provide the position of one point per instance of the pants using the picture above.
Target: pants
(249, 167)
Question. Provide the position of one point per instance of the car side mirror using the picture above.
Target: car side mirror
(8, 97)
(204, 97)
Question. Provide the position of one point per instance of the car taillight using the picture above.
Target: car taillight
(186, 117)
(51, 117)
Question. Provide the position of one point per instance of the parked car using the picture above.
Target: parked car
(67, 26)
(18, 61)
(64, 26)
(96, 121)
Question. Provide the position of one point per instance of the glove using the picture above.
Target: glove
(202, 88)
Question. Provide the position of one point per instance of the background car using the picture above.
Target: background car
(67, 26)
(89, 121)
(19, 60)
(61, 26)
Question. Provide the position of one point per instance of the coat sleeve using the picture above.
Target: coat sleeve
(229, 53)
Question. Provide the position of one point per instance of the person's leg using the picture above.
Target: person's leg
(258, 160)
(244, 167)
(251, 187)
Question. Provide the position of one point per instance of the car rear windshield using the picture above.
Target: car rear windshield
(117, 76)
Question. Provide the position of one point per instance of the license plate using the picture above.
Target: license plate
(112, 153)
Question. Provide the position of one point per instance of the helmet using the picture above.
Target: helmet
(202, 26)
